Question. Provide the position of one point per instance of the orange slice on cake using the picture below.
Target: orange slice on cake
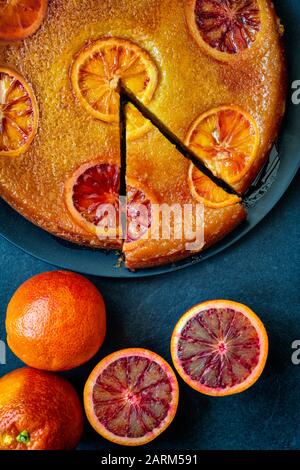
(225, 28)
(99, 69)
(226, 140)
(20, 18)
(219, 347)
(131, 396)
(139, 213)
(136, 124)
(204, 190)
(92, 198)
(18, 113)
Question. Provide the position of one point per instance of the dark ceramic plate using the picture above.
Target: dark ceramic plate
(266, 191)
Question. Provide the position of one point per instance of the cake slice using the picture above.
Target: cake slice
(163, 186)
(223, 95)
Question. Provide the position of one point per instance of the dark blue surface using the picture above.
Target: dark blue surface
(263, 271)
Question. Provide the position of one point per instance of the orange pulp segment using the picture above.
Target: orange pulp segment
(204, 190)
(99, 69)
(226, 140)
(20, 18)
(219, 347)
(131, 396)
(92, 198)
(18, 114)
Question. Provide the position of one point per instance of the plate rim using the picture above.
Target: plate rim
(273, 195)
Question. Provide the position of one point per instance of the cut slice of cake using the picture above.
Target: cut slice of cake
(223, 95)
(173, 210)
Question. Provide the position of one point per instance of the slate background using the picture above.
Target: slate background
(262, 271)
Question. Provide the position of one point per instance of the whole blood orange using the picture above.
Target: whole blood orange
(131, 396)
(56, 321)
(219, 347)
(18, 113)
(20, 18)
(38, 411)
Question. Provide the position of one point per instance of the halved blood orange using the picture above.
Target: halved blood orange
(139, 214)
(131, 396)
(226, 140)
(18, 113)
(219, 347)
(100, 67)
(204, 190)
(20, 18)
(92, 197)
(225, 28)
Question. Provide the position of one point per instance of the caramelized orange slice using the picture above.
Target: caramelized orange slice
(100, 67)
(18, 113)
(226, 140)
(92, 198)
(136, 124)
(139, 212)
(20, 18)
(204, 190)
(224, 27)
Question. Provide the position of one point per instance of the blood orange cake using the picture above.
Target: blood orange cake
(211, 71)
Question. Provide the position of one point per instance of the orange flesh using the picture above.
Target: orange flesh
(20, 18)
(138, 214)
(17, 115)
(95, 191)
(96, 187)
(136, 124)
(229, 26)
(218, 348)
(132, 397)
(204, 189)
(97, 83)
(226, 140)
(100, 67)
